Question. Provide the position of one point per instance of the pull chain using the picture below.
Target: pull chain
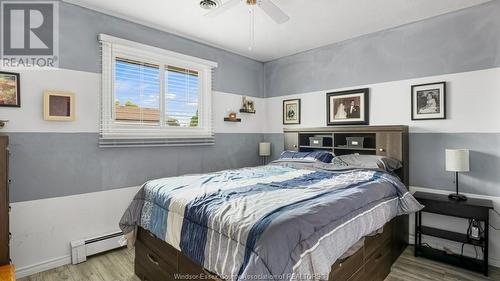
(251, 12)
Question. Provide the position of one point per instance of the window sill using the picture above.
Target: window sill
(155, 142)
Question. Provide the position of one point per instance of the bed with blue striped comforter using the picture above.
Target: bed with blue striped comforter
(282, 221)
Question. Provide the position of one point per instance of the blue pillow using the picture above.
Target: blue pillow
(323, 156)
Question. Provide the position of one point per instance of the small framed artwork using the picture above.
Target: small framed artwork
(291, 112)
(10, 89)
(58, 106)
(428, 101)
(348, 107)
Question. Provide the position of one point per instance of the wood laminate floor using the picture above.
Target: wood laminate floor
(119, 266)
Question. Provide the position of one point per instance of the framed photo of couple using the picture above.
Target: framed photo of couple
(428, 101)
(348, 107)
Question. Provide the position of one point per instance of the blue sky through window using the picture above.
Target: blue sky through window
(139, 84)
(181, 94)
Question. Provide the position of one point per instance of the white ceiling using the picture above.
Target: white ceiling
(313, 23)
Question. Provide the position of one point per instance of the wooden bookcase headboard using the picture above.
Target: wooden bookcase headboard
(391, 141)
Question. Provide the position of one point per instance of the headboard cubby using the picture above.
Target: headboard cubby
(391, 141)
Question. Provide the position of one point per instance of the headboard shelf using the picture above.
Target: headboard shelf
(391, 141)
(316, 147)
(349, 148)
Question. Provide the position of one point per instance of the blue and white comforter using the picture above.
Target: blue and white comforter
(281, 221)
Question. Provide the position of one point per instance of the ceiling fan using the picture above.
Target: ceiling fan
(273, 11)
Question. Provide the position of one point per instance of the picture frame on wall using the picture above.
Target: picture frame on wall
(10, 89)
(291, 112)
(348, 107)
(428, 101)
(58, 106)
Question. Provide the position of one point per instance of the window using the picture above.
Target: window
(152, 96)
(137, 92)
(181, 94)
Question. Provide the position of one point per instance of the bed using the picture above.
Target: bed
(293, 219)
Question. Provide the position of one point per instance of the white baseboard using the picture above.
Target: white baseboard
(42, 266)
(494, 262)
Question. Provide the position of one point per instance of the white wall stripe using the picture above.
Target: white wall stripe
(471, 96)
(57, 221)
(86, 86)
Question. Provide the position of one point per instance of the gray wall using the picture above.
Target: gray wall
(79, 27)
(277, 144)
(456, 42)
(427, 161)
(45, 165)
(461, 41)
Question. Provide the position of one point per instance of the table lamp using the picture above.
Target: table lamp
(264, 151)
(457, 160)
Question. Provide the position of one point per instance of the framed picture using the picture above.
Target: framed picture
(348, 107)
(58, 106)
(428, 101)
(291, 112)
(10, 89)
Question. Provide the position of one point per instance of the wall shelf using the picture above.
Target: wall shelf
(229, 120)
(246, 111)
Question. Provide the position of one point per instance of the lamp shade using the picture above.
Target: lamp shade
(264, 149)
(457, 160)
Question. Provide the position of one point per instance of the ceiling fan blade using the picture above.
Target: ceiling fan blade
(273, 11)
(224, 7)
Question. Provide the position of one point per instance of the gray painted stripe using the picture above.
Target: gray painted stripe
(277, 144)
(79, 49)
(427, 160)
(45, 165)
(461, 41)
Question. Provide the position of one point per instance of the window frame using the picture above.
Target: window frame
(113, 48)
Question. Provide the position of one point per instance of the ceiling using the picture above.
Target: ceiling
(313, 23)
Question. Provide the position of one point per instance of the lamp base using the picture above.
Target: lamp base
(457, 197)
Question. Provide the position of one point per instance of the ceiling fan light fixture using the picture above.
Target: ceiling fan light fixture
(209, 4)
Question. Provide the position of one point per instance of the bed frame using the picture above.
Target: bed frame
(155, 260)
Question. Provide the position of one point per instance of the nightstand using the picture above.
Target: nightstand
(472, 208)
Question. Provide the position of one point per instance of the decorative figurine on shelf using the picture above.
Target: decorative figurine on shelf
(247, 106)
(232, 116)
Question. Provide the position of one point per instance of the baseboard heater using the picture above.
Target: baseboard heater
(81, 249)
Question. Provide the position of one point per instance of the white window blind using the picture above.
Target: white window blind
(137, 92)
(153, 97)
(181, 97)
